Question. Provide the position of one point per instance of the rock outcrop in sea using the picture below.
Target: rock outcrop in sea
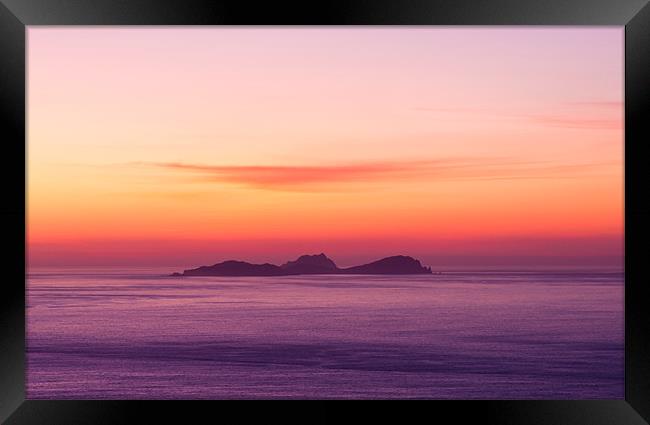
(310, 264)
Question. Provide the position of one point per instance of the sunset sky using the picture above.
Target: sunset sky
(473, 146)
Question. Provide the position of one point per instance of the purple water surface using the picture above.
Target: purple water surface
(491, 335)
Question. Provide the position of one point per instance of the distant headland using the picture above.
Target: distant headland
(310, 264)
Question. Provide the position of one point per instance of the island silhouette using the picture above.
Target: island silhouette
(310, 264)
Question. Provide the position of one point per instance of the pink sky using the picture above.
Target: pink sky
(471, 145)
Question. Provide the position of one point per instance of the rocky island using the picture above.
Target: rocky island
(310, 264)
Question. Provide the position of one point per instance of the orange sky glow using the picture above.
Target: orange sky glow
(460, 146)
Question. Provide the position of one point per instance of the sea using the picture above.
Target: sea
(135, 333)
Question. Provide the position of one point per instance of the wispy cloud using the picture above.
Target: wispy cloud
(599, 115)
(605, 104)
(581, 123)
(308, 177)
(277, 176)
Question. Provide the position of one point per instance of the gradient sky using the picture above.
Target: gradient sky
(460, 146)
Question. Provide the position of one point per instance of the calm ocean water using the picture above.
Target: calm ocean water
(95, 334)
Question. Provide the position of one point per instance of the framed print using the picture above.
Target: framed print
(356, 201)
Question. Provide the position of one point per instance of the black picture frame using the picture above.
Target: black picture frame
(634, 15)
